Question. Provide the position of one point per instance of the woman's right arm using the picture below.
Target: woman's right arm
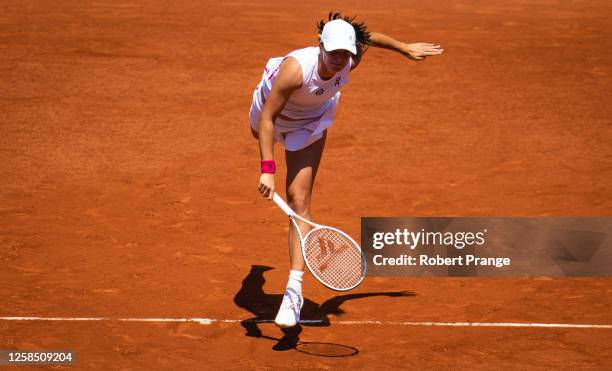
(289, 79)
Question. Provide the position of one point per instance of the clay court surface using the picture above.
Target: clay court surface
(129, 180)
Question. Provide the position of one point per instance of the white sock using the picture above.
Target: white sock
(295, 281)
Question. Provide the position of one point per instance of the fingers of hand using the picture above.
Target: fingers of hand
(266, 190)
(423, 49)
(431, 51)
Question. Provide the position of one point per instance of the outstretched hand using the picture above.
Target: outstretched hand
(419, 51)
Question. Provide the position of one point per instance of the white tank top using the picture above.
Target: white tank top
(315, 96)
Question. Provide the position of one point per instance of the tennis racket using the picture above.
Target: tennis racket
(332, 256)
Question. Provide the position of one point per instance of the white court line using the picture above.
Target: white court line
(208, 321)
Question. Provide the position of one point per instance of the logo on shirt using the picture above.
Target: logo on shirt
(319, 91)
(337, 83)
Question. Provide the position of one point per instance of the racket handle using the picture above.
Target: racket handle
(282, 204)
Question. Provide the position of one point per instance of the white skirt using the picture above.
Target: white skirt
(295, 135)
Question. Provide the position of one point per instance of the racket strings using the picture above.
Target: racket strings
(334, 258)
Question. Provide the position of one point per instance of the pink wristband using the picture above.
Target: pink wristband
(268, 166)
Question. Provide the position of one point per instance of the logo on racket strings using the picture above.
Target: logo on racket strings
(327, 249)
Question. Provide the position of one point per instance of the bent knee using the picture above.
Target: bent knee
(299, 202)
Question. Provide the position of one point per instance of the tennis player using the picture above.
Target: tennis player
(294, 104)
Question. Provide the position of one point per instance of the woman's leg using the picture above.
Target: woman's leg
(302, 169)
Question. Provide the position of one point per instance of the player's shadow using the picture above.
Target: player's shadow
(252, 297)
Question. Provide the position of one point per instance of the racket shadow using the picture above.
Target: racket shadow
(264, 306)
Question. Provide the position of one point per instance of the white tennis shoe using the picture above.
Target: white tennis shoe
(289, 312)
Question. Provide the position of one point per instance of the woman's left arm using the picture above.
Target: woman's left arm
(414, 51)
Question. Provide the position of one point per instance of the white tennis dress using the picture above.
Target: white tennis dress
(310, 109)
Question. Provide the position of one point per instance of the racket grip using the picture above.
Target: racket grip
(282, 204)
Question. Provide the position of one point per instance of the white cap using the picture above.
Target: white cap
(338, 34)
